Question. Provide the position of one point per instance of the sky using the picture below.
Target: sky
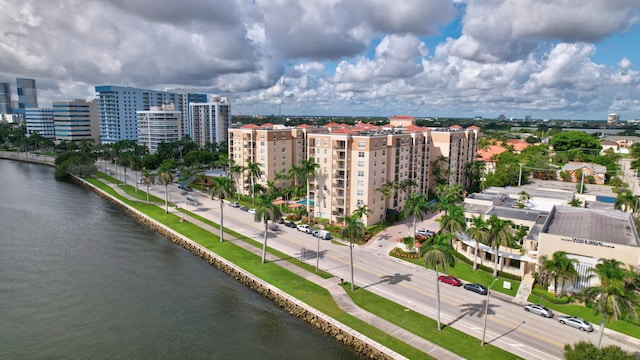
(550, 59)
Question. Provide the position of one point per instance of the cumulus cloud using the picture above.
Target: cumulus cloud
(332, 56)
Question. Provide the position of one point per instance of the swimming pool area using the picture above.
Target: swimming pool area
(304, 202)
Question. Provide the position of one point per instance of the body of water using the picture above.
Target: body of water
(79, 279)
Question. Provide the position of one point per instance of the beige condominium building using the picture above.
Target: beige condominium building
(355, 161)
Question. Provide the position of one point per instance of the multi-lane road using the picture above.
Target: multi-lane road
(508, 326)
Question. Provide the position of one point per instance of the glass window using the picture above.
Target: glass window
(360, 144)
(360, 173)
(360, 163)
(360, 192)
(360, 183)
(360, 154)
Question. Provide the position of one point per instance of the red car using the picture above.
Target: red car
(450, 280)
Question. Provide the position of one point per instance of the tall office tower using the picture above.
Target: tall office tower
(209, 122)
(40, 120)
(118, 107)
(5, 98)
(186, 97)
(27, 93)
(159, 124)
(613, 118)
(72, 120)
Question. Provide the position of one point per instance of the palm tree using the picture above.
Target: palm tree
(235, 171)
(308, 170)
(499, 233)
(560, 268)
(453, 221)
(253, 171)
(223, 187)
(479, 231)
(362, 211)
(626, 201)
(266, 211)
(388, 189)
(407, 186)
(417, 206)
(165, 177)
(353, 230)
(148, 179)
(439, 252)
(615, 297)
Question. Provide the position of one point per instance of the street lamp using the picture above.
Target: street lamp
(486, 312)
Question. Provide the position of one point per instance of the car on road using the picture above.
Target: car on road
(477, 288)
(244, 208)
(234, 204)
(252, 211)
(290, 224)
(305, 228)
(539, 310)
(323, 234)
(576, 322)
(451, 280)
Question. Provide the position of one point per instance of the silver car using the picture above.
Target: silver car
(539, 310)
(576, 322)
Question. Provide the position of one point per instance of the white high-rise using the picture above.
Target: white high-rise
(209, 122)
(160, 124)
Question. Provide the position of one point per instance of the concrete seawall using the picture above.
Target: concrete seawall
(293, 306)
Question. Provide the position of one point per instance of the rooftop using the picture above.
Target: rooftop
(614, 227)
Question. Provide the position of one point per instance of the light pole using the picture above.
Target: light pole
(520, 176)
(486, 312)
(582, 181)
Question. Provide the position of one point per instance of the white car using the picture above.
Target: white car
(424, 232)
(576, 322)
(304, 228)
(538, 309)
(252, 211)
(234, 204)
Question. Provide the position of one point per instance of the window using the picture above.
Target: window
(360, 173)
(360, 192)
(360, 163)
(360, 202)
(326, 142)
(360, 144)
(360, 183)
(360, 154)
(261, 136)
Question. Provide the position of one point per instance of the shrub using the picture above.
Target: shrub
(549, 296)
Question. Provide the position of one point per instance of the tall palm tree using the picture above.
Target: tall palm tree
(560, 268)
(253, 171)
(407, 186)
(165, 177)
(223, 187)
(613, 297)
(417, 206)
(235, 171)
(453, 221)
(626, 201)
(148, 179)
(499, 233)
(353, 230)
(439, 252)
(308, 170)
(479, 232)
(266, 211)
(388, 189)
(362, 211)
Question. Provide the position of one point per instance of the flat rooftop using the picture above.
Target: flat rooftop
(614, 227)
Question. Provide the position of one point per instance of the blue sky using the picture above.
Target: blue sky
(570, 59)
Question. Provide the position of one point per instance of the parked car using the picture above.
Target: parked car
(252, 211)
(323, 234)
(576, 322)
(244, 208)
(424, 232)
(450, 280)
(538, 309)
(290, 224)
(477, 288)
(234, 204)
(304, 228)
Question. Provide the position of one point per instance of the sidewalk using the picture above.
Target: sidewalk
(332, 285)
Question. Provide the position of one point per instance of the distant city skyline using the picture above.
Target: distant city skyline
(576, 59)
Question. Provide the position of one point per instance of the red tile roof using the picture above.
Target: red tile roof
(250, 126)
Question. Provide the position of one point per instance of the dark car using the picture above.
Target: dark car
(450, 280)
(244, 208)
(476, 288)
(290, 224)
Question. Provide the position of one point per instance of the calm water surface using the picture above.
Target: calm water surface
(81, 280)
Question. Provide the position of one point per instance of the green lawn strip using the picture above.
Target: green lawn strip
(302, 289)
(465, 272)
(586, 313)
(449, 338)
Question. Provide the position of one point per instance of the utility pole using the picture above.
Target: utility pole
(486, 311)
(582, 182)
(520, 176)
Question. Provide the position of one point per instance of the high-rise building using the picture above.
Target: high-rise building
(5, 98)
(355, 162)
(209, 122)
(187, 97)
(159, 124)
(119, 106)
(40, 120)
(613, 118)
(27, 93)
(73, 120)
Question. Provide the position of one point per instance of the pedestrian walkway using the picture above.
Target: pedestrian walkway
(342, 299)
